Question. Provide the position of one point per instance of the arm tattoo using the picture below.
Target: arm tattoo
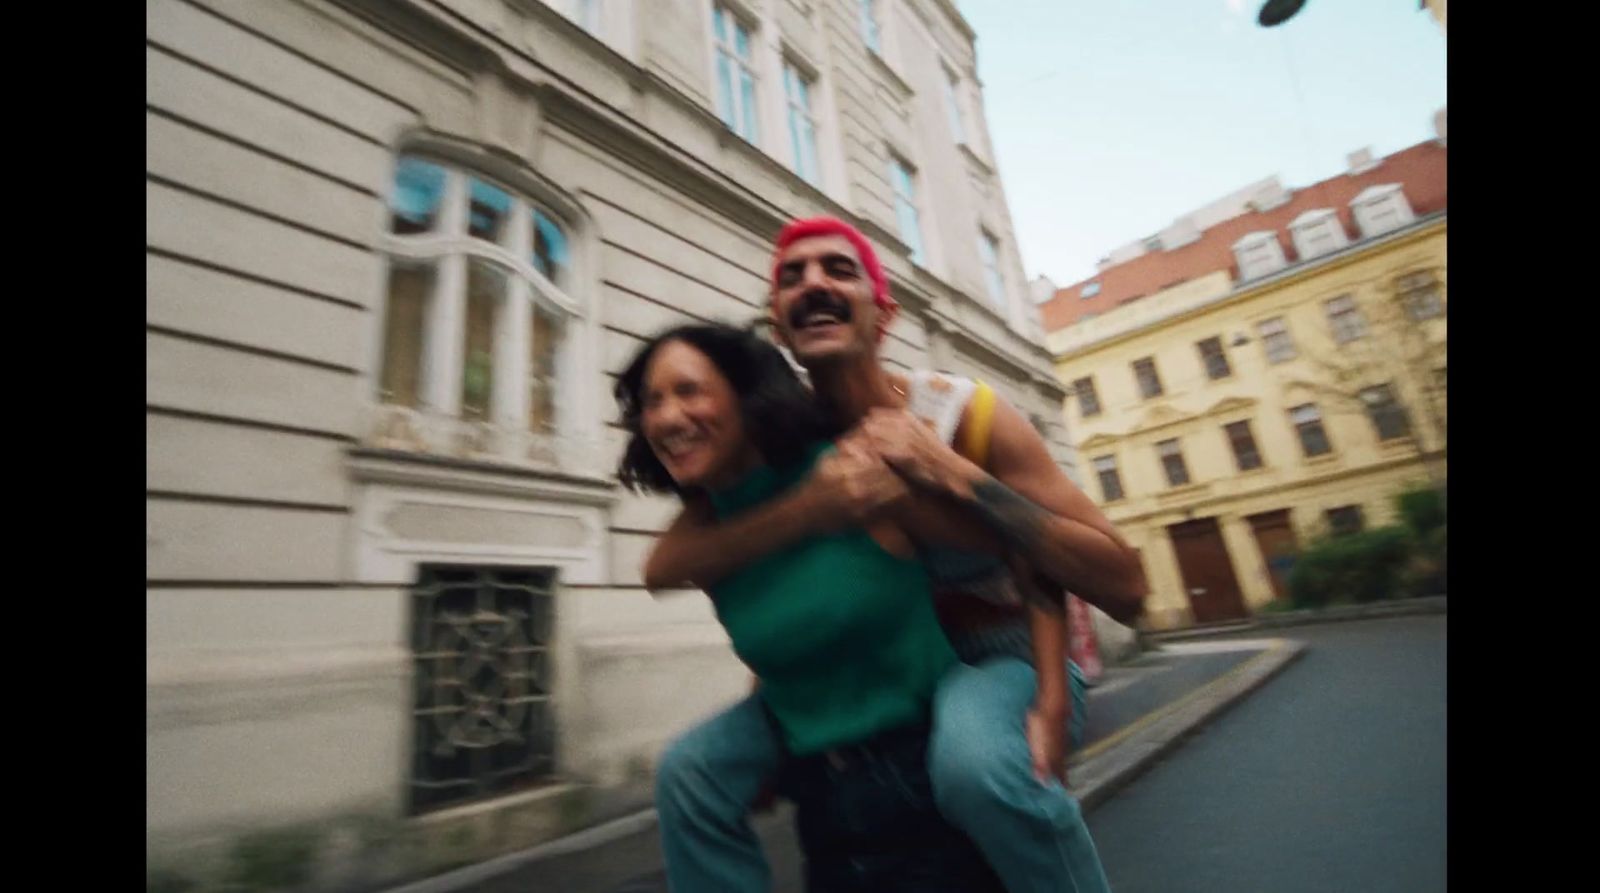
(1018, 520)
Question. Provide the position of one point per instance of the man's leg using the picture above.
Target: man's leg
(706, 782)
(1032, 834)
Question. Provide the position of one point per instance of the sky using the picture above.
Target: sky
(1111, 118)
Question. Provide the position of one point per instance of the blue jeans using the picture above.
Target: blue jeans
(1033, 835)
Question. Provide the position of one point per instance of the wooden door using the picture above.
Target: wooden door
(1276, 540)
(1207, 572)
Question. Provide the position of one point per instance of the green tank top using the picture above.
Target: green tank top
(842, 633)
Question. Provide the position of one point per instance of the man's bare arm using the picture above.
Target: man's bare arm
(1027, 501)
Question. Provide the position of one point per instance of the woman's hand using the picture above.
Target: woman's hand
(1046, 729)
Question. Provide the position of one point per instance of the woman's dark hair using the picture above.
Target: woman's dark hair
(780, 416)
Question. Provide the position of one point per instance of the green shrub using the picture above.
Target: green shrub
(273, 860)
(1362, 567)
(1422, 509)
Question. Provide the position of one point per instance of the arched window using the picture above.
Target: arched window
(478, 313)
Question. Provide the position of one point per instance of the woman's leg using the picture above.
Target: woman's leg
(705, 785)
(1033, 834)
(1080, 706)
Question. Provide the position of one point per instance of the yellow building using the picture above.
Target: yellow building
(1227, 419)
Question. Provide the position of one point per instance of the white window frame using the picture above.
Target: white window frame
(1155, 376)
(870, 15)
(952, 103)
(1276, 340)
(905, 206)
(1259, 254)
(731, 108)
(1172, 448)
(1233, 445)
(436, 424)
(588, 14)
(1381, 209)
(1107, 465)
(1379, 400)
(800, 110)
(1424, 284)
(1318, 232)
(1306, 414)
(1345, 319)
(993, 280)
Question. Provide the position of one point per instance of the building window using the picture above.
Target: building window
(1149, 382)
(1345, 317)
(736, 77)
(952, 105)
(1090, 290)
(1215, 360)
(1307, 422)
(1105, 468)
(1259, 254)
(483, 724)
(1275, 338)
(1345, 520)
(585, 12)
(905, 206)
(1088, 399)
(871, 31)
(1380, 209)
(478, 310)
(802, 124)
(1388, 416)
(1419, 294)
(989, 251)
(1318, 232)
(1243, 442)
(1172, 462)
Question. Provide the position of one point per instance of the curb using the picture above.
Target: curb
(1437, 604)
(1111, 764)
(598, 835)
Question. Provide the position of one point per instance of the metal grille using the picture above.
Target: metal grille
(483, 723)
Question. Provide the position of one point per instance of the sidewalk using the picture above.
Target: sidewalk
(1434, 604)
(1138, 712)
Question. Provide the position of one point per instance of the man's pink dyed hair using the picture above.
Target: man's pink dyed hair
(811, 227)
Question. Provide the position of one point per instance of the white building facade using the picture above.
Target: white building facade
(397, 252)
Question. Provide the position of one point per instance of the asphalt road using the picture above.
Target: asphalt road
(1331, 777)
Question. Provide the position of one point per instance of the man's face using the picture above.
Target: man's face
(822, 307)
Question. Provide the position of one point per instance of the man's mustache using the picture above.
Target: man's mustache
(815, 301)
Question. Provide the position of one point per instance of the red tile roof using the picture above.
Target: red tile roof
(1420, 171)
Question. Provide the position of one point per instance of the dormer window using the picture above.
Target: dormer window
(1259, 254)
(1381, 209)
(1317, 232)
(1090, 290)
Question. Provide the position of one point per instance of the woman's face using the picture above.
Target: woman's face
(691, 419)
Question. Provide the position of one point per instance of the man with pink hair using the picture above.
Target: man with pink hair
(996, 753)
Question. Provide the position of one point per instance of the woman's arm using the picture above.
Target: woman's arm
(698, 551)
(1051, 713)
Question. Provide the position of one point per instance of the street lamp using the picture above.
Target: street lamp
(1276, 12)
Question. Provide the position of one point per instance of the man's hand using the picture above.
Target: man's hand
(852, 486)
(909, 445)
(1047, 743)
